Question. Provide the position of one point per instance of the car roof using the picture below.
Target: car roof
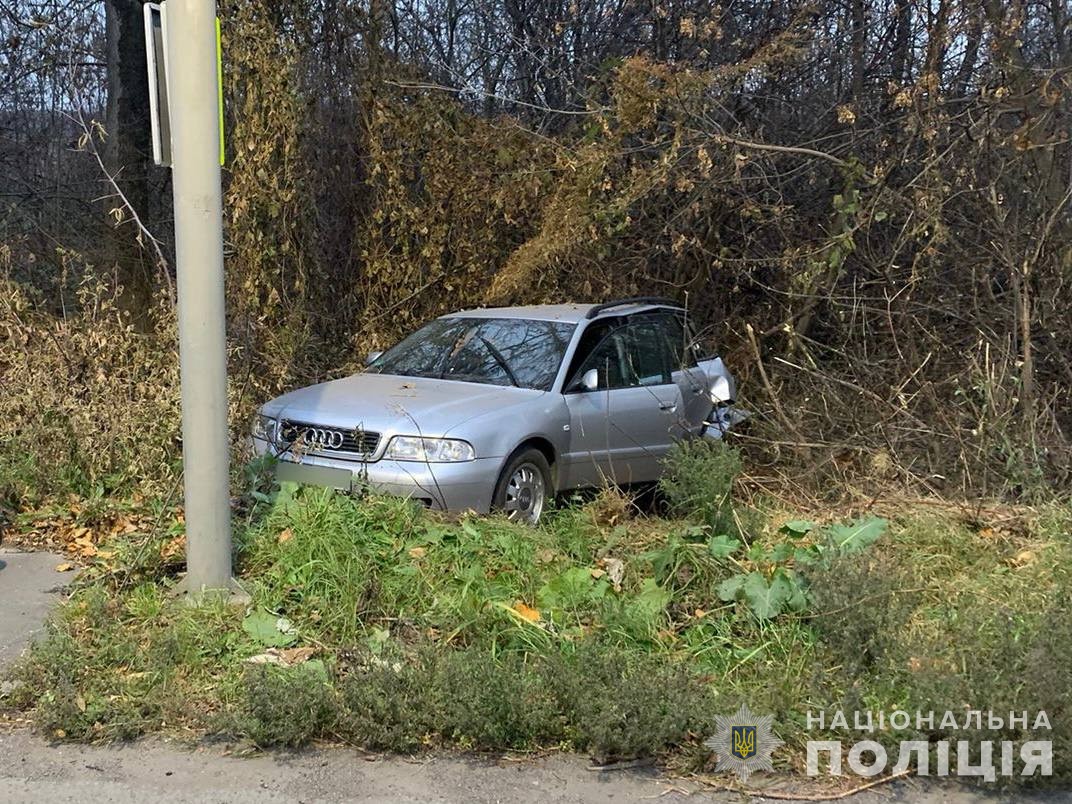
(568, 313)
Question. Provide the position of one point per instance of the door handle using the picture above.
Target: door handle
(670, 406)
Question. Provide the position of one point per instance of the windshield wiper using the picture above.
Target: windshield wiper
(500, 360)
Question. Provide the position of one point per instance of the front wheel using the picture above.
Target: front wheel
(524, 487)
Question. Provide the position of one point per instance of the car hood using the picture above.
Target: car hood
(391, 404)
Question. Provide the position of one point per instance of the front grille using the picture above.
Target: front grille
(321, 439)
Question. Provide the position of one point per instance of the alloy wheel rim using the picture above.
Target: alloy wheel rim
(525, 494)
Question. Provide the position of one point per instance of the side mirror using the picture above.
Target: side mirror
(589, 381)
(372, 357)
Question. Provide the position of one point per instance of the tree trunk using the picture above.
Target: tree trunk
(127, 149)
(901, 63)
(971, 54)
(858, 38)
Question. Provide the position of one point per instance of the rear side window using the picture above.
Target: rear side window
(646, 355)
(678, 340)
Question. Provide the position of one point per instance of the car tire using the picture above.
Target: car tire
(525, 487)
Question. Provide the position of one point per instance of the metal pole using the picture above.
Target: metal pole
(192, 88)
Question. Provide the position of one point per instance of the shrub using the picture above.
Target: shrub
(495, 704)
(622, 705)
(386, 706)
(287, 706)
(78, 677)
(861, 611)
(698, 483)
(616, 704)
(87, 401)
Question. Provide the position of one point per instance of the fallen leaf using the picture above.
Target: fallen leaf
(597, 573)
(615, 571)
(417, 552)
(1023, 558)
(80, 702)
(699, 614)
(284, 658)
(292, 656)
(527, 613)
(285, 536)
(173, 548)
(65, 567)
(270, 656)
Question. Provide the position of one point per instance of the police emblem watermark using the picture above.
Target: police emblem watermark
(743, 743)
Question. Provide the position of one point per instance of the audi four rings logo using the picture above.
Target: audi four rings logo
(324, 439)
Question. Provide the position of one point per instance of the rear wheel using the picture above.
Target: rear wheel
(524, 487)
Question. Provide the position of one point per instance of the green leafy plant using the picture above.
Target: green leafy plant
(843, 540)
(723, 546)
(779, 588)
(766, 598)
(270, 630)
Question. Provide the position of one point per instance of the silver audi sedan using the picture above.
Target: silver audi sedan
(500, 409)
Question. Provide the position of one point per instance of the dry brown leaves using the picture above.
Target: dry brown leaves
(80, 535)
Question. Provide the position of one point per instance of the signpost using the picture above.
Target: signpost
(187, 133)
(156, 59)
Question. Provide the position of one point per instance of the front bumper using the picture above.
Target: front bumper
(462, 486)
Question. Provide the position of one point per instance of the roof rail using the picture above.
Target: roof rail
(660, 300)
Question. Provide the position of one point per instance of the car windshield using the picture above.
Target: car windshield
(495, 351)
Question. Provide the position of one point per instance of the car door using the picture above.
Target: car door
(622, 430)
(689, 376)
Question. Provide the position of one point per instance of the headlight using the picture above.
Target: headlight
(429, 450)
(264, 428)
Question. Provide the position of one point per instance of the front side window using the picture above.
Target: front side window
(627, 355)
(493, 351)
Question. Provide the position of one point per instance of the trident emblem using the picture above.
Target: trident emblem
(744, 741)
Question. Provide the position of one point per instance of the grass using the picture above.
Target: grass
(599, 631)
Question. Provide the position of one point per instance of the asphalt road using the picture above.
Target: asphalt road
(32, 769)
(29, 585)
